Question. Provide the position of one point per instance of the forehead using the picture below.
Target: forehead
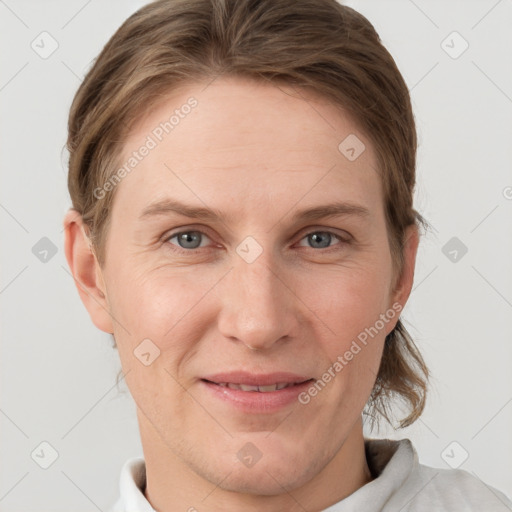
(215, 142)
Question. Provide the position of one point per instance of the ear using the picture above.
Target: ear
(403, 286)
(86, 271)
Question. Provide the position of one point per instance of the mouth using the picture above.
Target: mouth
(257, 394)
(260, 388)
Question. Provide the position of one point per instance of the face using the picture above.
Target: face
(258, 291)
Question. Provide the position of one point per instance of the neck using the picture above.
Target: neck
(172, 485)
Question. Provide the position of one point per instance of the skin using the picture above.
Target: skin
(258, 153)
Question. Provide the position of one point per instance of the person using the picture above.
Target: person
(242, 222)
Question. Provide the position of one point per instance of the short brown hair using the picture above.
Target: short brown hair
(319, 45)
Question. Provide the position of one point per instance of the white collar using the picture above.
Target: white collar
(391, 464)
(131, 488)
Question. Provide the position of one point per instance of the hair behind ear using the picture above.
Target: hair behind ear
(402, 373)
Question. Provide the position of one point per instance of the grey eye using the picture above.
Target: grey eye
(188, 239)
(320, 239)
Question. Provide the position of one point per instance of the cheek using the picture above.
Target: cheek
(353, 311)
(160, 332)
(161, 306)
(352, 300)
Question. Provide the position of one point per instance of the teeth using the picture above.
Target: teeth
(245, 387)
(271, 387)
(261, 389)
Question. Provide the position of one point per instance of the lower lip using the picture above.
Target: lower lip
(256, 401)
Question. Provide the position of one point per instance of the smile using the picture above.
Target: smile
(266, 394)
(261, 389)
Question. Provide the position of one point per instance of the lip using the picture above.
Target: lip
(256, 379)
(254, 401)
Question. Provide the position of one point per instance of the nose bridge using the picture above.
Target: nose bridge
(257, 306)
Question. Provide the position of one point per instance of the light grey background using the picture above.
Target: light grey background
(58, 371)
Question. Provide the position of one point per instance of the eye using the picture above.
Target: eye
(323, 239)
(188, 239)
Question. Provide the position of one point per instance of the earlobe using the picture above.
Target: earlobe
(86, 271)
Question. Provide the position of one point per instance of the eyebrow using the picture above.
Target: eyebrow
(170, 206)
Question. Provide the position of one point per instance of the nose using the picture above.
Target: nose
(259, 307)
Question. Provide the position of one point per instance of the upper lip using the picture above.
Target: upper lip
(256, 379)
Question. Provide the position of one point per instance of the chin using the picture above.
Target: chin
(266, 480)
(274, 470)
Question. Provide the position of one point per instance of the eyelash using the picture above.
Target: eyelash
(177, 248)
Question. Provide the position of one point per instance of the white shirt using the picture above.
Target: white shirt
(400, 484)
